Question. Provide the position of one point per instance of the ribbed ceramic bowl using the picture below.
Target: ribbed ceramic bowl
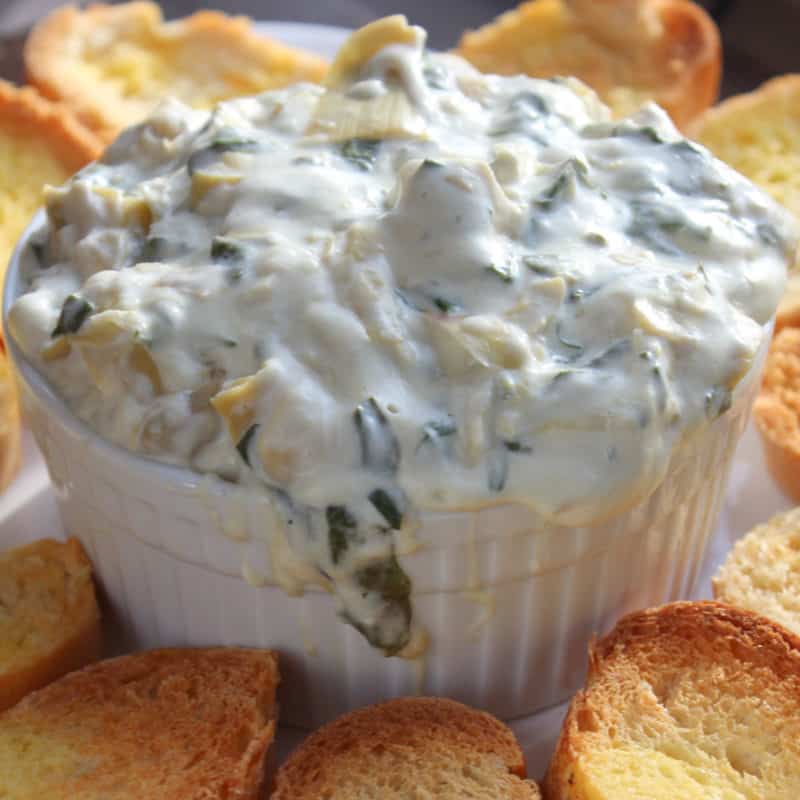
(510, 601)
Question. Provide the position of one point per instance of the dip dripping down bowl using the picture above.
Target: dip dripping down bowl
(420, 378)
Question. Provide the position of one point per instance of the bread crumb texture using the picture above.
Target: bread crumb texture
(629, 52)
(762, 572)
(40, 142)
(176, 724)
(690, 701)
(408, 749)
(112, 64)
(776, 411)
(49, 620)
(758, 134)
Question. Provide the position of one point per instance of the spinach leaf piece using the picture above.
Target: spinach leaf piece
(341, 527)
(390, 629)
(73, 314)
(380, 449)
(224, 249)
(361, 152)
(387, 508)
(243, 445)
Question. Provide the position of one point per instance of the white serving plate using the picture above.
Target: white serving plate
(28, 509)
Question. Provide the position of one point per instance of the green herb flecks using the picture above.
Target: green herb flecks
(659, 227)
(243, 445)
(572, 172)
(444, 305)
(342, 526)
(514, 446)
(502, 271)
(435, 76)
(611, 354)
(361, 152)
(390, 628)
(717, 401)
(153, 249)
(226, 250)
(387, 507)
(224, 143)
(437, 429)
(380, 450)
(575, 347)
(769, 235)
(541, 265)
(73, 314)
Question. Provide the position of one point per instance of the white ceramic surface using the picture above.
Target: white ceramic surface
(141, 572)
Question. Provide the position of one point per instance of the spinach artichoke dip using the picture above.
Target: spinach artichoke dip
(416, 287)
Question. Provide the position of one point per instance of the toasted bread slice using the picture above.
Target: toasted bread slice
(40, 142)
(113, 64)
(49, 620)
(176, 724)
(758, 134)
(9, 424)
(776, 411)
(689, 701)
(762, 572)
(413, 747)
(628, 51)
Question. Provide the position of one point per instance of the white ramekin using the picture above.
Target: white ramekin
(509, 600)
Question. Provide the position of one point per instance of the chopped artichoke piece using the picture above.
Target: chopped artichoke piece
(204, 182)
(339, 117)
(236, 405)
(141, 361)
(365, 43)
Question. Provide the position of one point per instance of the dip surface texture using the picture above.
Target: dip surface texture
(418, 287)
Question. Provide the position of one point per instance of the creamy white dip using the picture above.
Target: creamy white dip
(418, 288)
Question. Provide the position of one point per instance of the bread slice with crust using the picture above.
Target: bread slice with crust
(49, 620)
(628, 51)
(176, 724)
(408, 749)
(689, 700)
(758, 134)
(762, 572)
(40, 142)
(113, 63)
(10, 428)
(776, 411)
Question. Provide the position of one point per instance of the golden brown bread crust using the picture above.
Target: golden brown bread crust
(10, 427)
(397, 744)
(627, 50)
(55, 46)
(672, 640)
(26, 112)
(173, 724)
(776, 411)
(760, 573)
(60, 614)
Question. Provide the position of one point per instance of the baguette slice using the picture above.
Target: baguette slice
(113, 63)
(40, 142)
(762, 572)
(49, 620)
(177, 724)
(688, 701)
(776, 411)
(414, 747)
(10, 427)
(758, 134)
(628, 51)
